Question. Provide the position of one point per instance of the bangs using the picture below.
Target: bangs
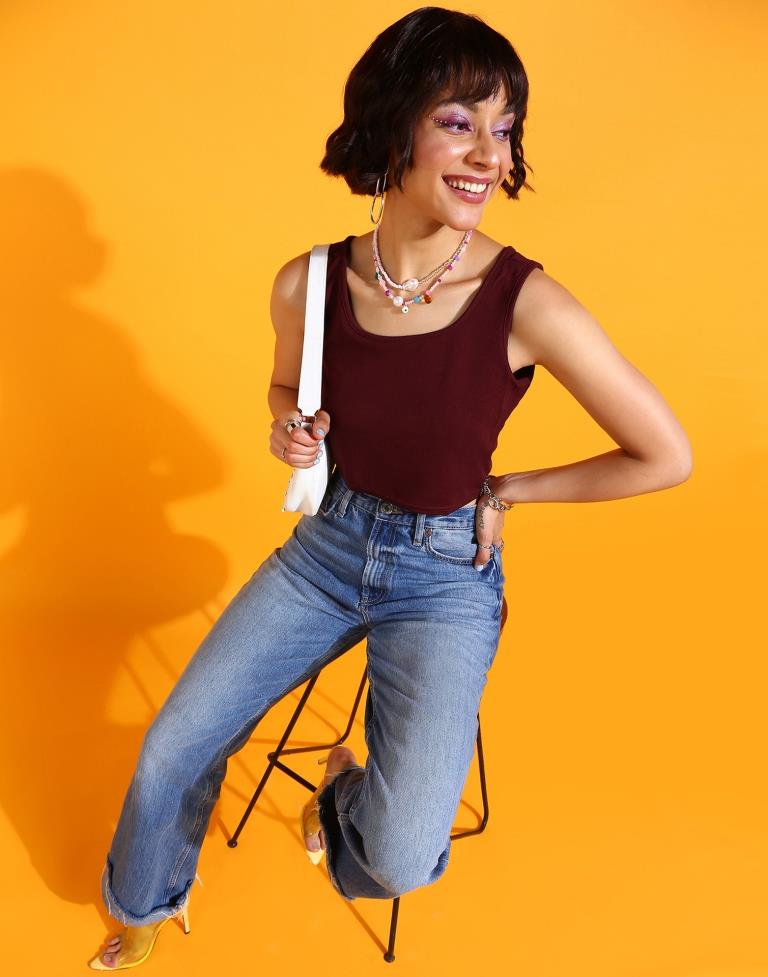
(471, 80)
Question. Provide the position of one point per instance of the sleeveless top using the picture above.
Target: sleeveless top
(416, 418)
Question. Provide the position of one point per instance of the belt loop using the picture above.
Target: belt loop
(418, 531)
(345, 501)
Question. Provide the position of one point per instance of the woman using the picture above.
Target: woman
(433, 332)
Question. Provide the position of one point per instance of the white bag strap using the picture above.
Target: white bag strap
(310, 380)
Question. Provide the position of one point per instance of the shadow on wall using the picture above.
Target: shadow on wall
(92, 456)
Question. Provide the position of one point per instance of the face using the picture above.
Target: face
(454, 142)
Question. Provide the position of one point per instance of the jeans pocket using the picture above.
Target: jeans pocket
(451, 545)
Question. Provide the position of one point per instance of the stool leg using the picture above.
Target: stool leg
(232, 843)
(344, 735)
(483, 784)
(389, 956)
(483, 789)
(282, 750)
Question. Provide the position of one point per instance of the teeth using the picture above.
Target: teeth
(463, 185)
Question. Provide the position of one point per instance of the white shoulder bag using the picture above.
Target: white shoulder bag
(307, 486)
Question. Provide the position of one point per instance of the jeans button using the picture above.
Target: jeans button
(386, 507)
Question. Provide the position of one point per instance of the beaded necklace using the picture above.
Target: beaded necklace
(412, 284)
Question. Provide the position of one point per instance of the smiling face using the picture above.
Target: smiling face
(457, 142)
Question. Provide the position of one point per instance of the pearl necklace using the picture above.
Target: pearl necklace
(413, 283)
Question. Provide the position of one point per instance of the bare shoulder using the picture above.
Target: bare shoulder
(289, 289)
(558, 331)
(549, 323)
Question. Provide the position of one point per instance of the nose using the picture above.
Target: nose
(486, 151)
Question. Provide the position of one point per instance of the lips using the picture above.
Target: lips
(468, 195)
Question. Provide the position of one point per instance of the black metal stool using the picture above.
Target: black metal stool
(276, 763)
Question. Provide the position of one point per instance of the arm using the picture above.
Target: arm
(286, 307)
(654, 452)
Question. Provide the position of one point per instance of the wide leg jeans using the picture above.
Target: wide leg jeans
(361, 567)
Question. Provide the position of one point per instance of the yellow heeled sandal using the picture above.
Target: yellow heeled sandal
(310, 813)
(137, 942)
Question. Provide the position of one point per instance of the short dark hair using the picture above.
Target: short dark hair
(428, 52)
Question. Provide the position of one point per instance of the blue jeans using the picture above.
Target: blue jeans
(360, 568)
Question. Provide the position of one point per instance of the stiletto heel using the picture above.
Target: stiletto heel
(185, 917)
(310, 812)
(137, 942)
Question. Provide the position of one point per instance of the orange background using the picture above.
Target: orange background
(159, 162)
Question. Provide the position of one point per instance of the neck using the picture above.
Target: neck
(411, 245)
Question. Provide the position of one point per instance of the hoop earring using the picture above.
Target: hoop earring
(382, 194)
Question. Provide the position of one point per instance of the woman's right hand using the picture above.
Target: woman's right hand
(301, 447)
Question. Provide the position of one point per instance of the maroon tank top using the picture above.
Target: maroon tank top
(415, 419)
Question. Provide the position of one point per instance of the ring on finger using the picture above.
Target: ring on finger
(490, 546)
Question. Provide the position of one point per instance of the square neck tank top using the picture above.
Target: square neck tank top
(415, 418)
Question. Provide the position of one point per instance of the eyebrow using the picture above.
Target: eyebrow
(472, 106)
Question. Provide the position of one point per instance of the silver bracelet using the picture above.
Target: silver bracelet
(493, 500)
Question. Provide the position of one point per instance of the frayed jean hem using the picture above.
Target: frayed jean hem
(119, 913)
